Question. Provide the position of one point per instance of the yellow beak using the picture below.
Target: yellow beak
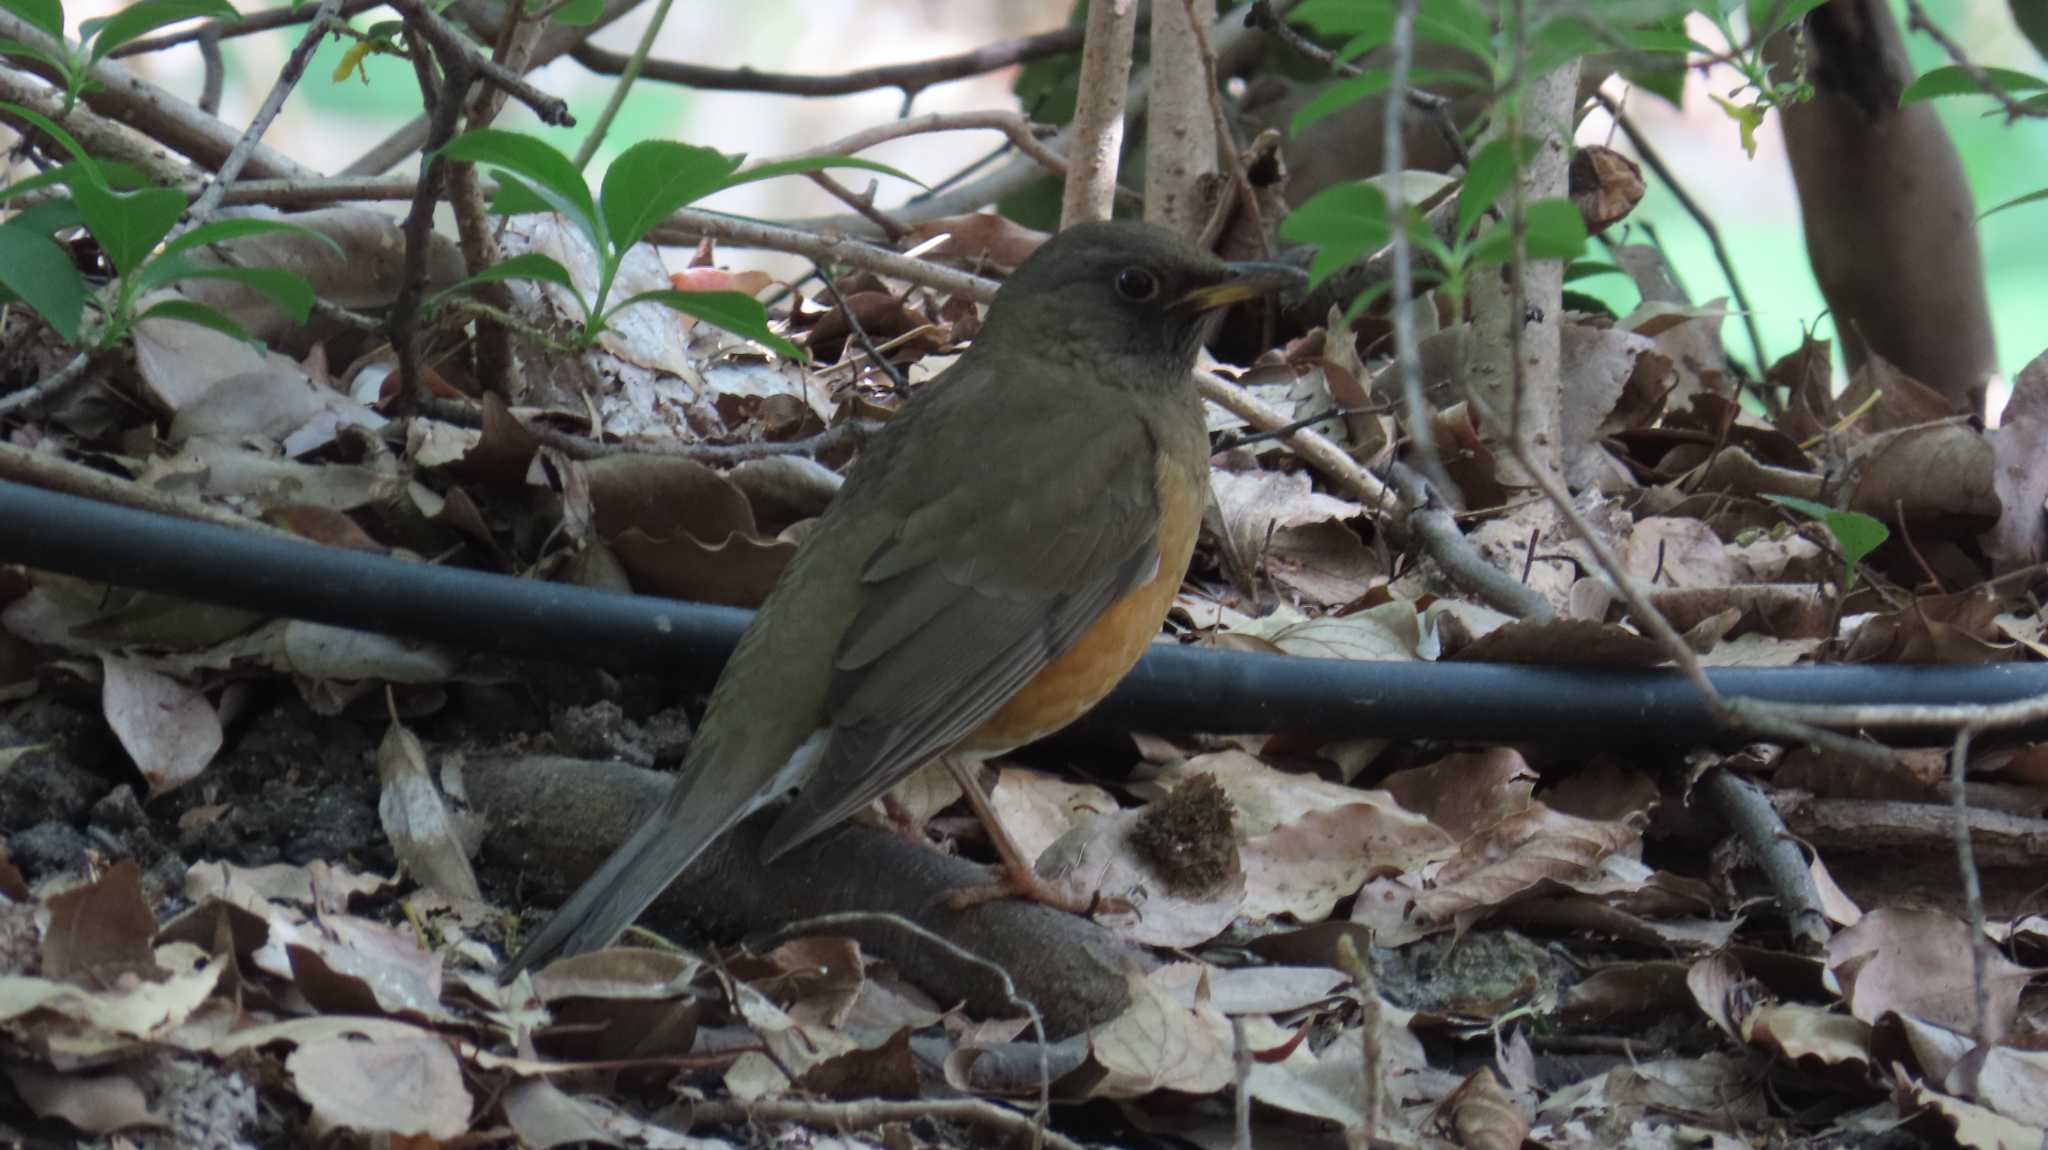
(1248, 280)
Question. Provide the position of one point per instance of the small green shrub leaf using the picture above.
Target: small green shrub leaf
(734, 311)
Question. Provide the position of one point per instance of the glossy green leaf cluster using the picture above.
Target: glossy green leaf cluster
(130, 220)
(642, 187)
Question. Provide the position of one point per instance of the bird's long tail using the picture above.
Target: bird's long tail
(636, 874)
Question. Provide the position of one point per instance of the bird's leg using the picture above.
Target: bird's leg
(1019, 880)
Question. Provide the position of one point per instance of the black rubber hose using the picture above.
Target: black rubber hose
(1173, 689)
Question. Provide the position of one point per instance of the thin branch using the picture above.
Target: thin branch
(1744, 809)
(911, 77)
(1432, 523)
(215, 67)
(450, 44)
(419, 221)
(273, 103)
(1313, 447)
(862, 202)
(1651, 160)
(55, 473)
(280, 17)
(1973, 889)
(1014, 125)
(1407, 357)
(897, 383)
(1916, 20)
(48, 387)
(594, 138)
(126, 98)
(870, 1113)
(685, 227)
(1226, 145)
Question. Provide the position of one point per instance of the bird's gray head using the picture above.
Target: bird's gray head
(1122, 292)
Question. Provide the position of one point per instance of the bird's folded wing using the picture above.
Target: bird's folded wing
(985, 584)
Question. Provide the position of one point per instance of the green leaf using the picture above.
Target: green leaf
(43, 56)
(118, 173)
(1554, 230)
(1491, 171)
(579, 13)
(145, 16)
(1587, 269)
(39, 272)
(1953, 80)
(220, 231)
(288, 290)
(1747, 117)
(51, 215)
(550, 177)
(1462, 24)
(1351, 90)
(186, 311)
(46, 16)
(128, 224)
(802, 164)
(2032, 17)
(1788, 12)
(734, 311)
(1855, 533)
(87, 168)
(1343, 222)
(2016, 201)
(653, 178)
(525, 266)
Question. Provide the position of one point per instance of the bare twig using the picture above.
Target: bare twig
(430, 25)
(897, 383)
(869, 1113)
(1973, 889)
(1916, 20)
(1432, 523)
(1393, 147)
(126, 98)
(273, 103)
(1014, 125)
(594, 138)
(911, 77)
(1321, 454)
(1226, 145)
(282, 17)
(1655, 162)
(419, 221)
(863, 202)
(215, 69)
(48, 387)
(685, 227)
(1744, 810)
(1097, 133)
(55, 473)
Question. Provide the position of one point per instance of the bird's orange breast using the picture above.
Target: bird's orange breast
(1106, 652)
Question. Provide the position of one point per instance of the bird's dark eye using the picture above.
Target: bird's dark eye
(1137, 284)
